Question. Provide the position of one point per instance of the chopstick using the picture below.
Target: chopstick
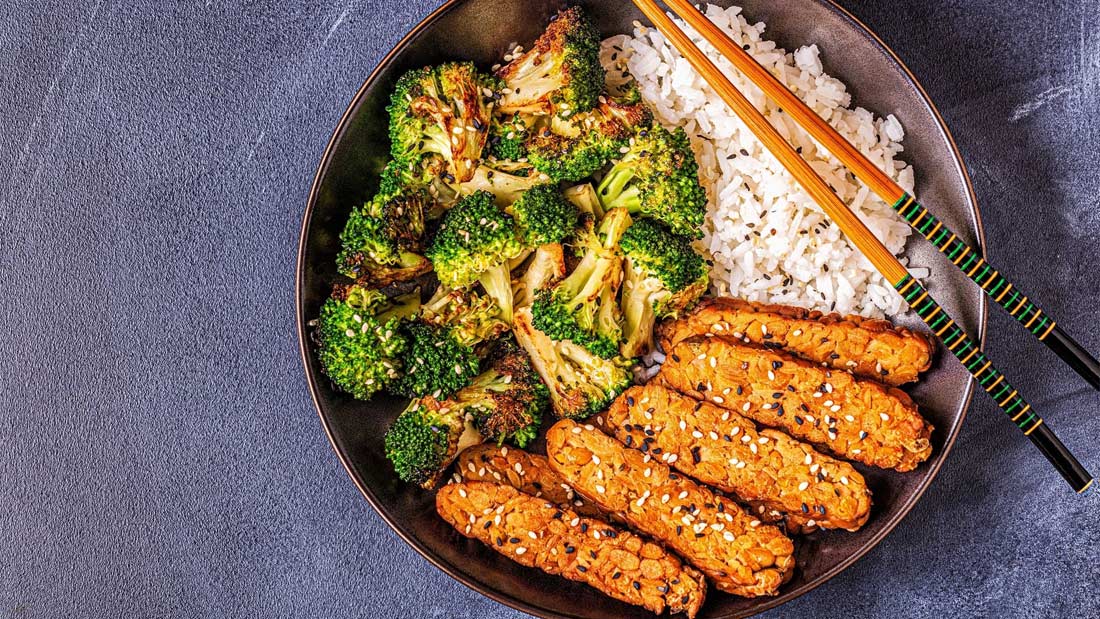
(953, 337)
(968, 260)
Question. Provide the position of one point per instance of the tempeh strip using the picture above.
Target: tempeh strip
(864, 346)
(538, 533)
(854, 418)
(527, 472)
(725, 450)
(738, 553)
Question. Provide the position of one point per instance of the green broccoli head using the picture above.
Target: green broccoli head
(506, 401)
(476, 239)
(582, 308)
(443, 110)
(360, 344)
(573, 148)
(383, 240)
(664, 276)
(435, 362)
(542, 216)
(581, 384)
(507, 135)
(658, 177)
(424, 440)
(560, 74)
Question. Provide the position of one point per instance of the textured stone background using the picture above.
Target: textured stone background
(159, 454)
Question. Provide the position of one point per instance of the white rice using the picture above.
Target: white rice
(768, 239)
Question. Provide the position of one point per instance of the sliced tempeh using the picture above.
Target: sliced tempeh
(725, 450)
(526, 472)
(864, 346)
(741, 555)
(538, 533)
(851, 417)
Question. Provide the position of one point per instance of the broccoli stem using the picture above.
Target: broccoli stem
(497, 282)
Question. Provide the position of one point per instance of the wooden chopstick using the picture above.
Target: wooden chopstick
(968, 260)
(953, 337)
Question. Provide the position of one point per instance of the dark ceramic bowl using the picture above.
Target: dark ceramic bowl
(482, 31)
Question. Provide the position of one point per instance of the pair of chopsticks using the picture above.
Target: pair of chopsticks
(967, 259)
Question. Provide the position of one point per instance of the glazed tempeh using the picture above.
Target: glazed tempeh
(537, 533)
(723, 449)
(738, 553)
(854, 418)
(526, 472)
(866, 347)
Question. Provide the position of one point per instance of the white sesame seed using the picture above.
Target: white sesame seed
(752, 448)
(697, 434)
(771, 375)
(577, 430)
(884, 416)
(796, 332)
(648, 472)
(473, 519)
(844, 480)
(713, 435)
(574, 522)
(461, 493)
(857, 451)
(599, 489)
(811, 523)
(746, 406)
(664, 498)
(519, 468)
(532, 535)
(349, 333)
(817, 394)
(835, 408)
(520, 550)
(728, 536)
(803, 485)
(763, 329)
(808, 459)
(735, 431)
(673, 458)
(718, 399)
(849, 418)
(595, 459)
(827, 403)
(746, 438)
(814, 468)
(504, 451)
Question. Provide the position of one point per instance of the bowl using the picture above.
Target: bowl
(483, 31)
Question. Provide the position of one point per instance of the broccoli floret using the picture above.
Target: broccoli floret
(581, 383)
(476, 239)
(658, 177)
(582, 308)
(561, 73)
(383, 240)
(359, 338)
(471, 318)
(664, 275)
(545, 266)
(435, 363)
(426, 438)
(572, 148)
(443, 110)
(506, 181)
(543, 216)
(506, 401)
(507, 135)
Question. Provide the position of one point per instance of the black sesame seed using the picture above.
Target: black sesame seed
(488, 523)
(592, 553)
(616, 575)
(644, 447)
(790, 388)
(676, 358)
(500, 541)
(570, 550)
(557, 515)
(805, 509)
(779, 411)
(695, 457)
(698, 535)
(637, 585)
(679, 529)
(685, 599)
(721, 507)
(611, 533)
(804, 407)
(798, 420)
(513, 540)
(584, 527)
(701, 387)
(834, 356)
(777, 395)
(630, 400)
(740, 390)
(582, 569)
(657, 450)
(629, 440)
(862, 435)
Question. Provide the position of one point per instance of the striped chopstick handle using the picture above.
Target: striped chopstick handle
(998, 288)
(992, 381)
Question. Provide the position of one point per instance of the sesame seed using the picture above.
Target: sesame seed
(735, 431)
(849, 418)
(672, 458)
(648, 472)
(577, 430)
(803, 485)
(718, 399)
(595, 459)
(771, 375)
(835, 408)
(682, 495)
(461, 493)
(884, 416)
(746, 406)
(532, 535)
(728, 536)
(600, 489)
(697, 434)
(520, 550)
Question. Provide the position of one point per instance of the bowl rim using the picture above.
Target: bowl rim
(455, 571)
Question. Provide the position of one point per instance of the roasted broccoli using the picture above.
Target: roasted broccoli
(435, 363)
(569, 149)
(582, 308)
(471, 318)
(476, 239)
(584, 197)
(507, 400)
(359, 338)
(664, 275)
(507, 181)
(560, 74)
(383, 240)
(444, 110)
(542, 215)
(545, 266)
(507, 135)
(581, 383)
(426, 438)
(658, 177)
